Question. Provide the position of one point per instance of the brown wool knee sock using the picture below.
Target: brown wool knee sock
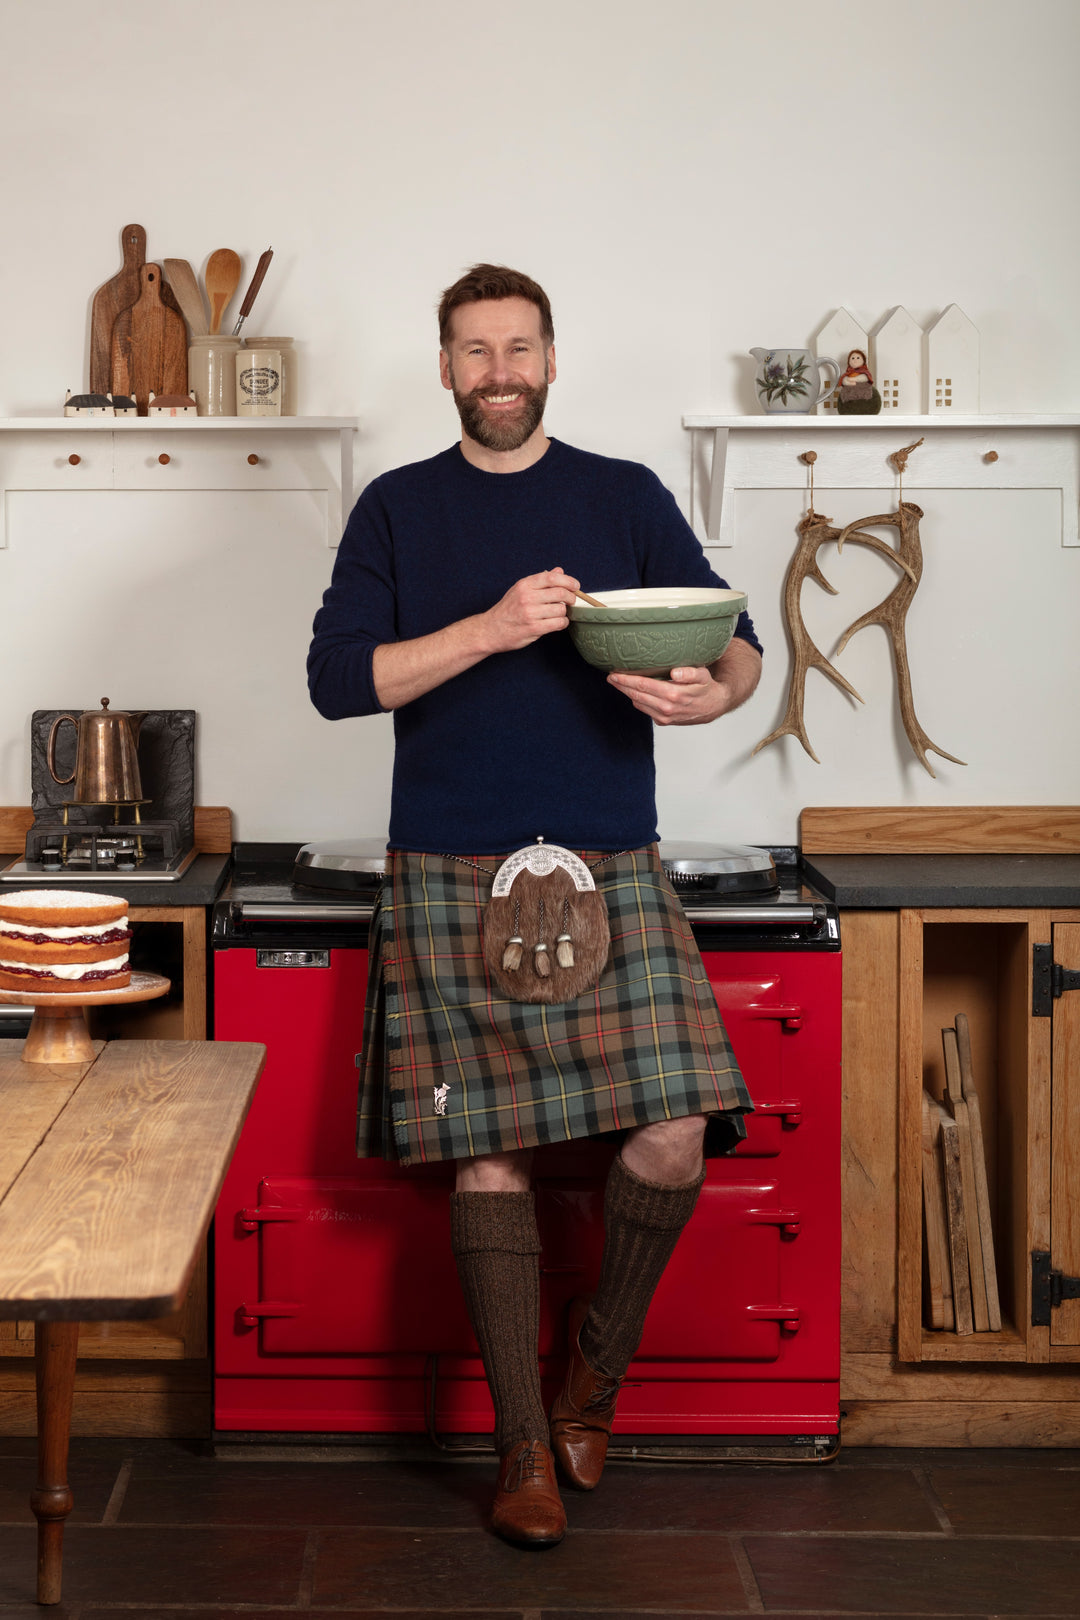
(497, 1250)
(642, 1222)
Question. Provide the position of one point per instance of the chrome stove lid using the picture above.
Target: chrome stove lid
(344, 863)
(699, 860)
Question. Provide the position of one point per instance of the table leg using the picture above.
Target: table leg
(55, 1349)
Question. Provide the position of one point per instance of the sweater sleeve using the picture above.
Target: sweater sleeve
(358, 614)
(673, 554)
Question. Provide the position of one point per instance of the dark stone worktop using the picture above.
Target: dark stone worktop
(890, 882)
(199, 886)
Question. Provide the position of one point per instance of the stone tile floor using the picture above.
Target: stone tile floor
(164, 1530)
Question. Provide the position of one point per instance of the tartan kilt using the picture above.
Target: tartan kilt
(647, 1043)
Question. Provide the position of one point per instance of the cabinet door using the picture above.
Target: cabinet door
(1065, 1137)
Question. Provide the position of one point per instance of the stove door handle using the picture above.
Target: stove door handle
(788, 1013)
(251, 1315)
(786, 1315)
(788, 1220)
(790, 1112)
(250, 1219)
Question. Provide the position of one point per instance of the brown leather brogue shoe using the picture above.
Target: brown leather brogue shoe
(528, 1509)
(583, 1413)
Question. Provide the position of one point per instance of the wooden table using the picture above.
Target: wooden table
(109, 1171)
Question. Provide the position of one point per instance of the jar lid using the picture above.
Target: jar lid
(266, 342)
(214, 337)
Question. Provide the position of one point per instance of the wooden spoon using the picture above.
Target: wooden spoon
(222, 278)
(189, 296)
(585, 597)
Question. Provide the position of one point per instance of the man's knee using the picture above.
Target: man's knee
(496, 1172)
(668, 1151)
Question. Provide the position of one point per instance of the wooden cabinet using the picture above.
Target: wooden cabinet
(140, 1377)
(907, 973)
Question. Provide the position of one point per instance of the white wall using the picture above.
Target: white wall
(687, 181)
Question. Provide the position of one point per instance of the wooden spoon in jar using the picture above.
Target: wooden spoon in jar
(222, 279)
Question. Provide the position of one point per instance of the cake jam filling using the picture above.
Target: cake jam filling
(72, 972)
(72, 936)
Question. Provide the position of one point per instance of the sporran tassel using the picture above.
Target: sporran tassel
(564, 945)
(511, 959)
(541, 959)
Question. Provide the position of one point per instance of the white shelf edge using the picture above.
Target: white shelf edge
(794, 419)
(182, 424)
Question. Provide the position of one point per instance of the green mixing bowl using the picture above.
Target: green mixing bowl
(653, 631)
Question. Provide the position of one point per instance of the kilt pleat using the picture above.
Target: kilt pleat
(452, 1069)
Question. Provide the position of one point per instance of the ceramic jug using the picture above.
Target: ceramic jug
(106, 760)
(789, 380)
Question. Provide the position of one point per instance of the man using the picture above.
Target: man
(448, 605)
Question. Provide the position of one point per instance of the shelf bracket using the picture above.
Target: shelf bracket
(714, 514)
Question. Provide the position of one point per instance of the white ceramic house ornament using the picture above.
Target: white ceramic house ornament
(835, 340)
(897, 363)
(952, 364)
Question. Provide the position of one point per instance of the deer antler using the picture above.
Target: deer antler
(814, 531)
(891, 614)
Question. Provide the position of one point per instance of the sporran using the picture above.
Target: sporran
(545, 928)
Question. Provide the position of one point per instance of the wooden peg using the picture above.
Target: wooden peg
(809, 456)
(164, 459)
(253, 460)
(74, 459)
(991, 455)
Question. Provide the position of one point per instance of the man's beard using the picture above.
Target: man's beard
(501, 430)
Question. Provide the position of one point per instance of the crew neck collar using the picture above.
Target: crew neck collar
(469, 468)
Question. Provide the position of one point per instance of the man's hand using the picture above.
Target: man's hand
(693, 697)
(532, 608)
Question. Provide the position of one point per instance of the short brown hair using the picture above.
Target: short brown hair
(494, 281)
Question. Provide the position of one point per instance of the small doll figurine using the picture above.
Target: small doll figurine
(856, 395)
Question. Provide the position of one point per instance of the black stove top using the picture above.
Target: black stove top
(263, 902)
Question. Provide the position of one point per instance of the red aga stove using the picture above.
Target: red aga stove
(338, 1309)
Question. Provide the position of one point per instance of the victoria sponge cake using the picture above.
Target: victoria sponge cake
(61, 942)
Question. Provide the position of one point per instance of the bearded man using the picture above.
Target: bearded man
(448, 605)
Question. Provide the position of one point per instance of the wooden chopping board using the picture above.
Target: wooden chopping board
(114, 297)
(149, 345)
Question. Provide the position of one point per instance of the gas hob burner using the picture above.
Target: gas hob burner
(719, 869)
(100, 840)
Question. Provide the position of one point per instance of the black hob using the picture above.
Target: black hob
(315, 896)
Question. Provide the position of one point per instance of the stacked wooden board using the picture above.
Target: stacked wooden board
(138, 340)
(958, 1241)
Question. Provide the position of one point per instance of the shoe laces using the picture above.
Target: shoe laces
(528, 1466)
(603, 1397)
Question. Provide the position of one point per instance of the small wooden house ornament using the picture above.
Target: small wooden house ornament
(952, 364)
(834, 341)
(88, 404)
(124, 405)
(171, 405)
(897, 363)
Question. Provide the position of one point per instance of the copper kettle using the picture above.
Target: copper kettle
(106, 759)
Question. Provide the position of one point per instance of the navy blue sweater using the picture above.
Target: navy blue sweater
(526, 743)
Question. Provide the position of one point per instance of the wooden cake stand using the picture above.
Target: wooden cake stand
(59, 1032)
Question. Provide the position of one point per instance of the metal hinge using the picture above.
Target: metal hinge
(1049, 1288)
(1049, 980)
